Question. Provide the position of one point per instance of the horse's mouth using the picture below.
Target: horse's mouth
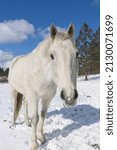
(70, 103)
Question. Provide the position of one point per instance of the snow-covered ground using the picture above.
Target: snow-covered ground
(74, 128)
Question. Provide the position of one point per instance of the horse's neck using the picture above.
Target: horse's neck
(42, 49)
(39, 57)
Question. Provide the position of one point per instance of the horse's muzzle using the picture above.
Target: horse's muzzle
(69, 100)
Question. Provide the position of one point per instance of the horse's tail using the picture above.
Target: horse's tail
(17, 106)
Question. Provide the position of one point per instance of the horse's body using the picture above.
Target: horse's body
(37, 75)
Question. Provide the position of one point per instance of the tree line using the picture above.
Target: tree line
(4, 72)
(88, 44)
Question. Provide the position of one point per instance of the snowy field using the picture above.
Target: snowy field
(74, 128)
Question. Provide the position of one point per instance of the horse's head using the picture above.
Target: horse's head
(64, 58)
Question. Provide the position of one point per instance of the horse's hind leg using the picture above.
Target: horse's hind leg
(17, 102)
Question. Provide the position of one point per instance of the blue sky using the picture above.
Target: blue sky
(24, 23)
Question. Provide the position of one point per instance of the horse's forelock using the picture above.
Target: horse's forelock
(62, 35)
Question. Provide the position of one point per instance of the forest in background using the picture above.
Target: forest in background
(88, 44)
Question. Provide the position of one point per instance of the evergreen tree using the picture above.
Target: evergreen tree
(1, 72)
(95, 52)
(83, 43)
(6, 72)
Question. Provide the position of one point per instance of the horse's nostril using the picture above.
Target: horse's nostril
(62, 94)
(75, 94)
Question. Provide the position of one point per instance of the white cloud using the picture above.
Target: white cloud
(5, 58)
(46, 32)
(13, 31)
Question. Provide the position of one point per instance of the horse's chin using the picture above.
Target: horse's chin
(67, 104)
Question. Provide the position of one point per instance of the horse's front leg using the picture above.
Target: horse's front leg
(34, 110)
(26, 118)
(42, 116)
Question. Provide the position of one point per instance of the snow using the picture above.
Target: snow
(75, 128)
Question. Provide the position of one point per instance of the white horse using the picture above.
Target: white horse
(36, 76)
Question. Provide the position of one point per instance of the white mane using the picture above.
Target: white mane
(42, 47)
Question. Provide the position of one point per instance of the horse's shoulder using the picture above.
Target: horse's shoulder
(13, 62)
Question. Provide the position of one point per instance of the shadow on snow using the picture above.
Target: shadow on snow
(81, 115)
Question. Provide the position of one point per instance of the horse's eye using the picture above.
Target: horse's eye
(52, 56)
(77, 54)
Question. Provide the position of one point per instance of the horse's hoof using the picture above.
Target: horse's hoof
(28, 124)
(13, 124)
(34, 146)
(41, 138)
(43, 141)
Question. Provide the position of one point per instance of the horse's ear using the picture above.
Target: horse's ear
(70, 30)
(53, 31)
